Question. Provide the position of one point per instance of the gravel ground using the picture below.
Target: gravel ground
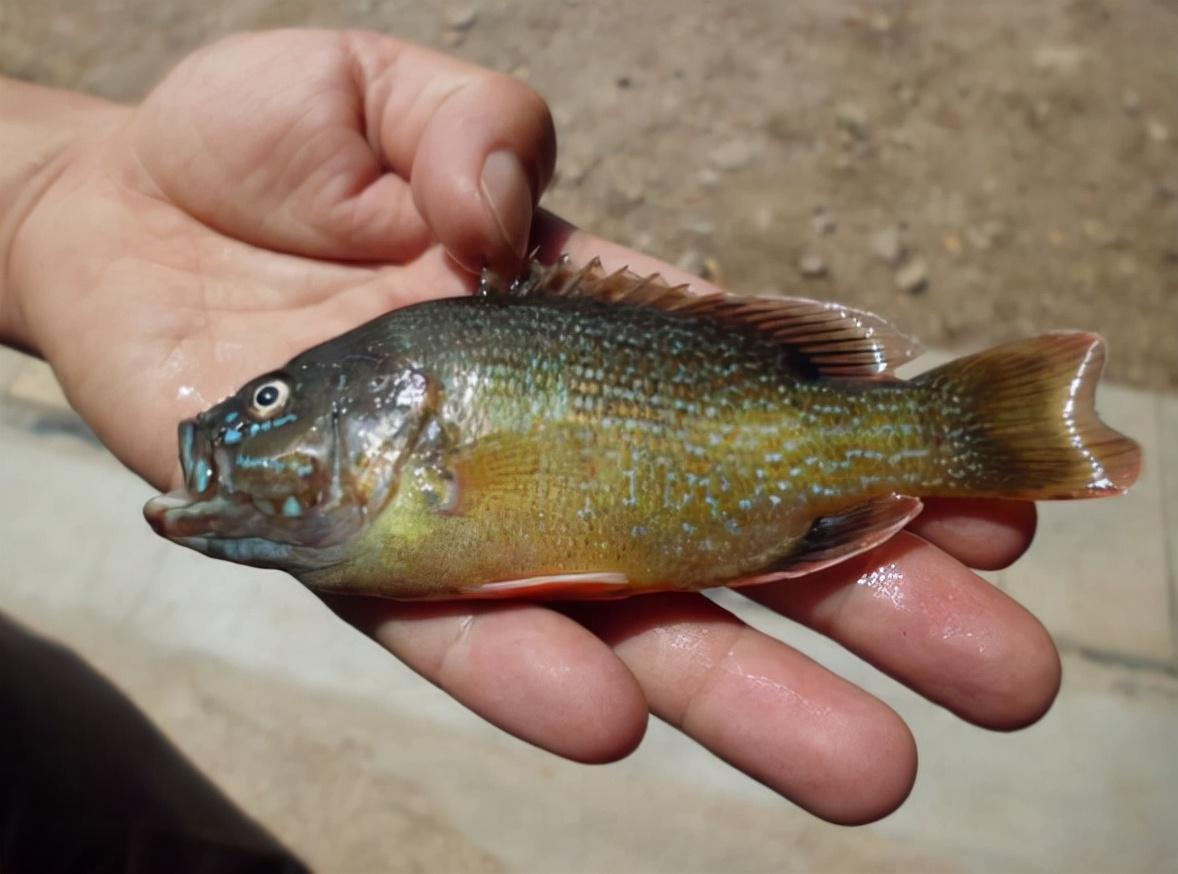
(973, 171)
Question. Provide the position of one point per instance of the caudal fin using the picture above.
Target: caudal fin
(1023, 422)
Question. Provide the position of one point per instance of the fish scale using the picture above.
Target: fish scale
(579, 433)
(800, 443)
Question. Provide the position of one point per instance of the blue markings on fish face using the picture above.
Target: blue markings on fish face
(202, 478)
(195, 460)
(187, 442)
(266, 553)
(245, 550)
(262, 475)
(262, 427)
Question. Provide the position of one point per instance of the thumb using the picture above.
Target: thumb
(477, 147)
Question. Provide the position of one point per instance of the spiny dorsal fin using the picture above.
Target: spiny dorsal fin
(829, 339)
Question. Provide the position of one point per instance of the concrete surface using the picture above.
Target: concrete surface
(357, 765)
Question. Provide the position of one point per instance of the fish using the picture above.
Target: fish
(578, 433)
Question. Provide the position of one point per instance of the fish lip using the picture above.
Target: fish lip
(179, 514)
(197, 458)
(161, 511)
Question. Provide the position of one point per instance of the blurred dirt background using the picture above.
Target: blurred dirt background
(973, 171)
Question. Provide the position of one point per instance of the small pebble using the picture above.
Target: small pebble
(812, 265)
(731, 155)
(691, 261)
(906, 94)
(1157, 131)
(853, 119)
(571, 172)
(1100, 234)
(461, 17)
(912, 278)
(886, 243)
(822, 221)
(987, 235)
(1060, 59)
(708, 177)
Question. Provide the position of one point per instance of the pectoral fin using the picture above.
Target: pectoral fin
(539, 469)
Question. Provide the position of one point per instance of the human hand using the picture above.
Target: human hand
(273, 191)
(279, 189)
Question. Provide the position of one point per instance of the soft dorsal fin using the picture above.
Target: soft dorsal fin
(828, 339)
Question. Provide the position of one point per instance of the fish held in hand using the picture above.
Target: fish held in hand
(578, 433)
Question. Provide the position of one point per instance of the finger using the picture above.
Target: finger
(919, 615)
(478, 147)
(988, 535)
(528, 670)
(762, 706)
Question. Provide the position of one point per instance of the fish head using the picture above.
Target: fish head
(286, 470)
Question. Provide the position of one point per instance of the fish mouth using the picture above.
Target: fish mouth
(214, 507)
(194, 509)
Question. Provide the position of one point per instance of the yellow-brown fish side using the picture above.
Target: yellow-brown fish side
(666, 450)
(583, 434)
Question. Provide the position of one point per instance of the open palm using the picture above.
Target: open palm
(278, 189)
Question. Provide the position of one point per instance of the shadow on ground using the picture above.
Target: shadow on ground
(87, 783)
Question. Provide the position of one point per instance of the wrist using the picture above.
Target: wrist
(41, 132)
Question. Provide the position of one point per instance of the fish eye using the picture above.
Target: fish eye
(269, 398)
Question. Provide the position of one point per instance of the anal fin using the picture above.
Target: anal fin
(832, 539)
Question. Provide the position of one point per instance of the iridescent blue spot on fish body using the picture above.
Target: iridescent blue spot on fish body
(291, 507)
(231, 417)
(231, 437)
